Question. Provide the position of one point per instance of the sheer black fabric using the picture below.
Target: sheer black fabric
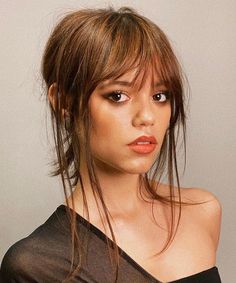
(44, 256)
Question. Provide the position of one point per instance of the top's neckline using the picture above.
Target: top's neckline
(128, 258)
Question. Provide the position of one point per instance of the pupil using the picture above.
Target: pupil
(117, 96)
(158, 96)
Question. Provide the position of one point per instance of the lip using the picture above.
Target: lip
(143, 148)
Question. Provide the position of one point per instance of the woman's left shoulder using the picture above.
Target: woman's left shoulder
(209, 211)
(211, 205)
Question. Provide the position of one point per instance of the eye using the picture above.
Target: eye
(117, 96)
(162, 96)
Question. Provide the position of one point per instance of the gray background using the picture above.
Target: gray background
(203, 34)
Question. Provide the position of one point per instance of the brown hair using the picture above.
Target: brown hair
(86, 48)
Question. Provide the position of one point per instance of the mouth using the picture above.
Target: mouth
(143, 144)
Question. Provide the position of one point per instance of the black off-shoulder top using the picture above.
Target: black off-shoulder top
(44, 256)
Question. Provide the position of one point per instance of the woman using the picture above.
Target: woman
(115, 91)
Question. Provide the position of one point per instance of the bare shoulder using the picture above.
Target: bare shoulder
(208, 214)
(209, 211)
(211, 205)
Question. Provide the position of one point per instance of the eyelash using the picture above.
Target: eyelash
(117, 92)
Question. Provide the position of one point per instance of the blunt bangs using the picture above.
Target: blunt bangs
(127, 43)
(86, 48)
(122, 42)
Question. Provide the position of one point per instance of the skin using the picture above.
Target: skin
(115, 124)
(118, 167)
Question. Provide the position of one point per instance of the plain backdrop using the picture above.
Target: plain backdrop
(203, 34)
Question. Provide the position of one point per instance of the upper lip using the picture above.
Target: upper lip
(150, 139)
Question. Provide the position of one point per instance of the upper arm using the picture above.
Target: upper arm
(22, 263)
(12, 267)
(210, 212)
(213, 214)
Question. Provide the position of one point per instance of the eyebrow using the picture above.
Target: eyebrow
(125, 83)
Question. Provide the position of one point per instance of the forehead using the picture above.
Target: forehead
(136, 77)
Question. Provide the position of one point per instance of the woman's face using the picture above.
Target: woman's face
(120, 114)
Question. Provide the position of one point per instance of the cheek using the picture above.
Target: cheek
(100, 128)
(108, 122)
(167, 118)
(107, 134)
(162, 124)
(163, 118)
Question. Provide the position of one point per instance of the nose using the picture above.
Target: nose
(144, 114)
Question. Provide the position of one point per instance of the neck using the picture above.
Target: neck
(120, 192)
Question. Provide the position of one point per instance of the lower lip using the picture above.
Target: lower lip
(143, 148)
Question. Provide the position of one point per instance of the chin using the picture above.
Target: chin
(140, 171)
(137, 169)
(130, 167)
